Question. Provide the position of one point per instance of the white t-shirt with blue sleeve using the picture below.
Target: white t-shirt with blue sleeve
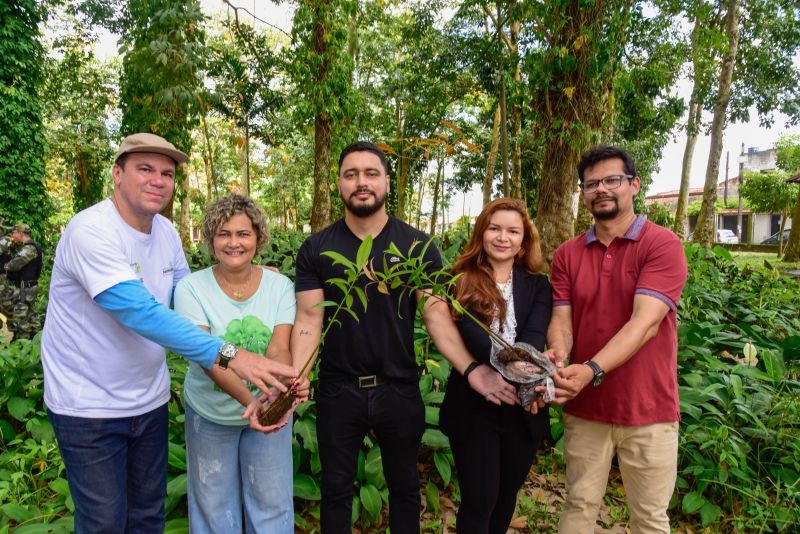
(94, 366)
(199, 298)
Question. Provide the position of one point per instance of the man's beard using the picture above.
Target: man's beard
(606, 214)
(364, 210)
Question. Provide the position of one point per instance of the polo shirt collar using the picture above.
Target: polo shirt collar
(632, 233)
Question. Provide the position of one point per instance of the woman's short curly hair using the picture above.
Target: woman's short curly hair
(221, 210)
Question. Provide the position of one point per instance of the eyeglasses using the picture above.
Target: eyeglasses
(609, 182)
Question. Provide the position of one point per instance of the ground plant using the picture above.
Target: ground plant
(739, 459)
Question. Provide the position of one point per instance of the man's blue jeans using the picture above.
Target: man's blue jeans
(116, 469)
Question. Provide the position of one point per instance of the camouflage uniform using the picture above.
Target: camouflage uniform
(6, 287)
(23, 270)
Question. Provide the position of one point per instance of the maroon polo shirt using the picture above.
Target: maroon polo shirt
(599, 283)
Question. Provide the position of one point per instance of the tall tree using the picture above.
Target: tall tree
(244, 67)
(164, 49)
(22, 141)
(704, 231)
(321, 68)
(80, 95)
(763, 73)
(571, 72)
(769, 192)
(788, 147)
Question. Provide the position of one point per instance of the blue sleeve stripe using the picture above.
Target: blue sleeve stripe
(134, 307)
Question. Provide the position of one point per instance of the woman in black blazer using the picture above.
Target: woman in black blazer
(494, 446)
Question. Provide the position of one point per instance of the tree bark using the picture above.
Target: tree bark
(185, 211)
(321, 209)
(436, 197)
(491, 161)
(692, 130)
(208, 159)
(704, 232)
(516, 119)
(503, 112)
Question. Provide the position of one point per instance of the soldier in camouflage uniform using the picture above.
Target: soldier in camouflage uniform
(6, 288)
(23, 271)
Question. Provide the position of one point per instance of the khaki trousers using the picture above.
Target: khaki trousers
(648, 461)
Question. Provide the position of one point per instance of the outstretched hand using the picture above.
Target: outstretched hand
(492, 386)
(261, 372)
(255, 408)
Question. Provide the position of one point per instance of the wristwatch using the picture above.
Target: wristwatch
(226, 353)
(599, 374)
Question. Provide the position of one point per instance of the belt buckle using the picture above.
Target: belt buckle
(367, 382)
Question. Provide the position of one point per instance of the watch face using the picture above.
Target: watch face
(228, 350)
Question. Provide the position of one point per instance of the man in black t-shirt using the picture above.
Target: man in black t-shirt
(368, 374)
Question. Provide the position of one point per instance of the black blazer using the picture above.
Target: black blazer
(462, 406)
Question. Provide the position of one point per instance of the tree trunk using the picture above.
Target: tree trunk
(403, 172)
(516, 119)
(704, 232)
(503, 112)
(555, 216)
(208, 159)
(435, 197)
(185, 212)
(419, 201)
(692, 130)
(321, 209)
(792, 250)
(246, 170)
(492, 159)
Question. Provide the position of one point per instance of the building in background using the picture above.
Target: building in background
(755, 227)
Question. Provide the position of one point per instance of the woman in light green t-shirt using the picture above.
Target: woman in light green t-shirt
(238, 475)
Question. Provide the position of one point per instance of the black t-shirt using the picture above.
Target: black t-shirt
(381, 342)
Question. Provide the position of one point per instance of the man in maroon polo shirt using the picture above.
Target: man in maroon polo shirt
(615, 295)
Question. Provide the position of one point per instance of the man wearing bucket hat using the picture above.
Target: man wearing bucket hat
(107, 324)
(23, 272)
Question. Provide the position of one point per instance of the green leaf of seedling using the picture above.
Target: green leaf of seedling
(361, 296)
(371, 500)
(337, 258)
(364, 250)
(326, 304)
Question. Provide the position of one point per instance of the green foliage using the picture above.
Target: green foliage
(768, 192)
(788, 152)
(79, 96)
(22, 142)
(740, 397)
(164, 51)
(660, 214)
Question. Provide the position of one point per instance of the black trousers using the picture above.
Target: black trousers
(492, 462)
(345, 413)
